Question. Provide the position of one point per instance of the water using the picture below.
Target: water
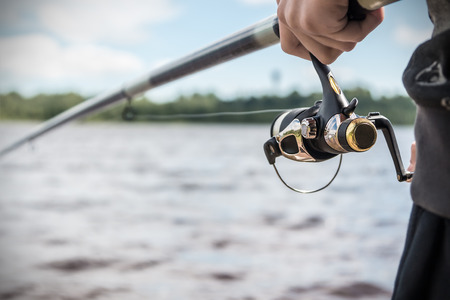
(141, 211)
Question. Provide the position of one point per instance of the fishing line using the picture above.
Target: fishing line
(129, 114)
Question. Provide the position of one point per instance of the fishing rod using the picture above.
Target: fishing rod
(256, 37)
(328, 128)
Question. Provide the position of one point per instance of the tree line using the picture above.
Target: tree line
(13, 106)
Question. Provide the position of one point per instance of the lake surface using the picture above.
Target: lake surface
(142, 211)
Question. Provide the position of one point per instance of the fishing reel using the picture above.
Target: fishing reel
(327, 129)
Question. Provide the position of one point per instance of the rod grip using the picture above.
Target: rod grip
(357, 9)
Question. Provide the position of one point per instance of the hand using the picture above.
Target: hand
(322, 28)
(412, 161)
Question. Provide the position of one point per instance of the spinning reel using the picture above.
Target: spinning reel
(327, 129)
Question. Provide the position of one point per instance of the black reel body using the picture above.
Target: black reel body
(328, 128)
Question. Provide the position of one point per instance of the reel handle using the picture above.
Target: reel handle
(382, 123)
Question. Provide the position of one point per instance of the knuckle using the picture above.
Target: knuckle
(298, 22)
(280, 13)
(360, 37)
(287, 47)
(306, 24)
(328, 57)
(347, 47)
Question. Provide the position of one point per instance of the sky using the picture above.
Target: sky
(92, 46)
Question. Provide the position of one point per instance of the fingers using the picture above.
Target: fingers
(326, 51)
(412, 161)
(291, 44)
(296, 42)
(356, 31)
(322, 28)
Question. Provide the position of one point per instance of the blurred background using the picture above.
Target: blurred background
(106, 209)
(90, 46)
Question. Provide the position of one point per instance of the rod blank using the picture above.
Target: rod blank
(258, 36)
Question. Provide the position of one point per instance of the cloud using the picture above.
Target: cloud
(408, 36)
(47, 43)
(39, 57)
(88, 20)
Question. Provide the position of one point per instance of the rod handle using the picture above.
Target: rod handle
(357, 9)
